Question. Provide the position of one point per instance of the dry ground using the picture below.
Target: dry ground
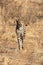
(33, 46)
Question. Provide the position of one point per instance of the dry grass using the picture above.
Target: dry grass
(32, 54)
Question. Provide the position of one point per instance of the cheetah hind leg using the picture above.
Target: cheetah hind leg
(20, 44)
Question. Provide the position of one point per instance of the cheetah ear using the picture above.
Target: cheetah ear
(26, 25)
